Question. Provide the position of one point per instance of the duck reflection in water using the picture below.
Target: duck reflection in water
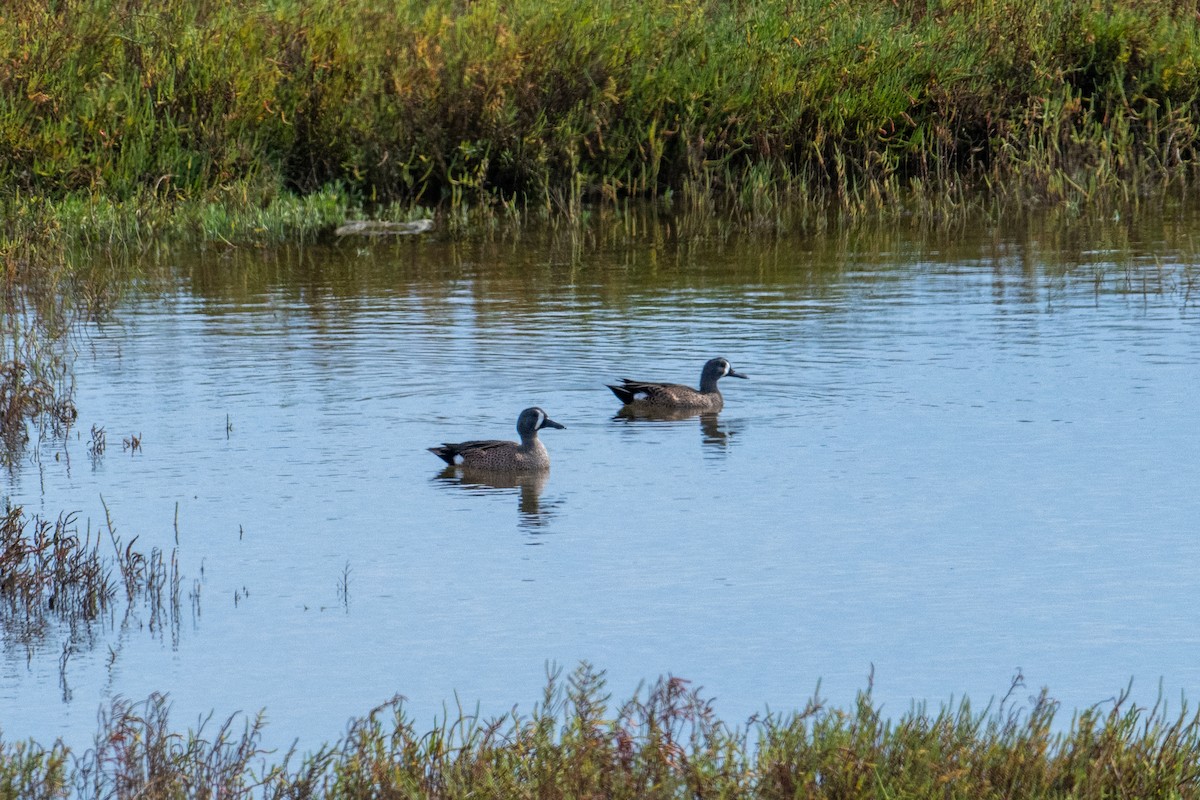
(714, 434)
(531, 511)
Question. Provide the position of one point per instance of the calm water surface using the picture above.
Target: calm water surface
(957, 456)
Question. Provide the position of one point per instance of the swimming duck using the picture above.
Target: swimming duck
(503, 456)
(672, 395)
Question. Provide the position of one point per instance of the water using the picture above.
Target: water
(955, 457)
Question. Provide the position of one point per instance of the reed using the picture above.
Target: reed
(51, 571)
(36, 316)
(131, 117)
(665, 742)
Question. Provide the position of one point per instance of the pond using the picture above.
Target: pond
(958, 455)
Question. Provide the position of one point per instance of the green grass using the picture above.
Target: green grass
(665, 742)
(134, 106)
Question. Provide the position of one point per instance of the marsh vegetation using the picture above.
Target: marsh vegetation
(665, 742)
(125, 121)
(58, 579)
(575, 126)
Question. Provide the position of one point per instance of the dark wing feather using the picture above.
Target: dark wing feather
(649, 390)
(448, 451)
(624, 392)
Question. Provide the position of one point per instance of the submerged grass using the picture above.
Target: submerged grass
(234, 119)
(50, 571)
(665, 743)
(35, 319)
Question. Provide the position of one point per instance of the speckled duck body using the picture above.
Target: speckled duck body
(651, 395)
(498, 455)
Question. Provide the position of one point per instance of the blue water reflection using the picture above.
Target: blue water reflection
(533, 514)
(957, 456)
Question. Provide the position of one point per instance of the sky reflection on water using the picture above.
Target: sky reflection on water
(953, 459)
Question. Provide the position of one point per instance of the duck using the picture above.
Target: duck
(650, 395)
(498, 455)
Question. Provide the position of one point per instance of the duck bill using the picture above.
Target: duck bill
(549, 423)
(734, 374)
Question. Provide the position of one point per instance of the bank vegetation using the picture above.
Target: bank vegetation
(262, 120)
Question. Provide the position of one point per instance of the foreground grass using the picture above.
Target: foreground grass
(667, 743)
(113, 110)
